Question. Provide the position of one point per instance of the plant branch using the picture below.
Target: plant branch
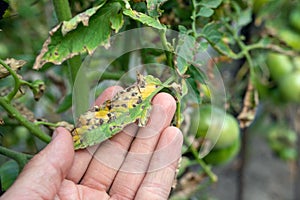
(194, 16)
(168, 50)
(62, 10)
(244, 48)
(204, 166)
(23, 120)
(113, 76)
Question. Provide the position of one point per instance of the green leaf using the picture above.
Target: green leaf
(244, 18)
(128, 106)
(210, 3)
(205, 12)
(185, 51)
(196, 77)
(8, 174)
(58, 47)
(144, 19)
(182, 65)
(153, 7)
(224, 49)
(184, 87)
(212, 33)
(182, 29)
(83, 17)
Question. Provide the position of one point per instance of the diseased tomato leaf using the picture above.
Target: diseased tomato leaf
(73, 37)
(127, 106)
(153, 7)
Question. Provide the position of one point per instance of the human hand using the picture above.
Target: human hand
(123, 167)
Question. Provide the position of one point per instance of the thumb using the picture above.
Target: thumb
(42, 176)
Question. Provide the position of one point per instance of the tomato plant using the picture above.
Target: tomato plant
(240, 58)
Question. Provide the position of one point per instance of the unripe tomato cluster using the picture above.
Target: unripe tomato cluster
(225, 133)
(285, 73)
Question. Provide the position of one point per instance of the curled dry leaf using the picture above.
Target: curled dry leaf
(1, 121)
(66, 125)
(248, 112)
(14, 64)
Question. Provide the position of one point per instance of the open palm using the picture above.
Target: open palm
(137, 163)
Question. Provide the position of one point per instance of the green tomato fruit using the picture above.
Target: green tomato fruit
(289, 87)
(291, 37)
(224, 134)
(224, 155)
(296, 62)
(278, 65)
(283, 141)
(294, 19)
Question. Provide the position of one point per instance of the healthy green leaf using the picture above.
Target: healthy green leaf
(210, 3)
(245, 18)
(182, 65)
(212, 33)
(196, 77)
(185, 51)
(153, 7)
(144, 19)
(205, 12)
(8, 174)
(83, 39)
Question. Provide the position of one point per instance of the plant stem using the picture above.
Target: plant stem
(11, 95)
(23, 120)
(168, 50)
(20, 158)
(204, 166)
(113, 76)
(194, 18)
(62, 10)
(178, 115)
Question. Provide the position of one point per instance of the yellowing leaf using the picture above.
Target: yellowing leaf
(127, 106)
